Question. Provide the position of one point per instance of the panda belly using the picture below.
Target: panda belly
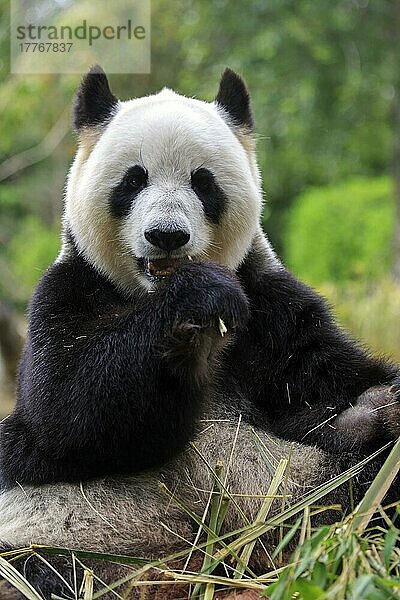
(108, 515)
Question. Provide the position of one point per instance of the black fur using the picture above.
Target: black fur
(108, 385)
(124, 194)
(234, 98)
(94, 102)
(305, 369)
(210, 193)
(111, 385)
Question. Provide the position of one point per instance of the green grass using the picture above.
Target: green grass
(349, 560)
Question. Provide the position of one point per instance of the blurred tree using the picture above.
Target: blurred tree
(11, 342)
(394, 40)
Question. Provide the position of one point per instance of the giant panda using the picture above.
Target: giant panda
(166, 332)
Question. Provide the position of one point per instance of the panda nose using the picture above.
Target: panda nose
(167, 240)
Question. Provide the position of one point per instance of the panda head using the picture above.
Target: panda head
(161, 179)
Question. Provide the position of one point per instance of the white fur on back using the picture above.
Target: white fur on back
(125, 515)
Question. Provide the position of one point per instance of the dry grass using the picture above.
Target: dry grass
(370, 312)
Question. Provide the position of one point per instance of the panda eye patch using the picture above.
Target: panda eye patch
(136, 178)
(123, 195)
(209, 192)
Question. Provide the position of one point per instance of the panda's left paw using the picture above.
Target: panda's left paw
(373, 419)
(382, 405)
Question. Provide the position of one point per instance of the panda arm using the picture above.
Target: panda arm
(113, 388)
(309, 373)
(95, 401)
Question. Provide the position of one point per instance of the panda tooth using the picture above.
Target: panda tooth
(189, 257)
(147, 266)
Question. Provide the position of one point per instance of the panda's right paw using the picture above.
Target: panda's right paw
(204, 305)
(207, 296)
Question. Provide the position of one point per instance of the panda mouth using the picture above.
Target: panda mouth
(161, 268)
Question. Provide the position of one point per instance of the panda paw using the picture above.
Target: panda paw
(373, 420)
(206, 295)
(382, 406)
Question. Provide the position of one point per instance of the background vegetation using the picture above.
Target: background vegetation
(324, 79)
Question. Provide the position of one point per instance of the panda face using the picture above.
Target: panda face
(164, 180)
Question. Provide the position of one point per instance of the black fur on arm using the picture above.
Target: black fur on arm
(307, 371)
(107, 386)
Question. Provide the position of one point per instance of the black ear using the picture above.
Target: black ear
(94, 101)
(234, 97)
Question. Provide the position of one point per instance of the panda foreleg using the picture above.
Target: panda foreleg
(309, 373)
(205, 306)
(126, 395)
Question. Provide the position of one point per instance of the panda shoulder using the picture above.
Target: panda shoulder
(66, 287)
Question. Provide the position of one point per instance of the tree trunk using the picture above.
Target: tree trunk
(396, 177)
(395, 114)
(11, 343)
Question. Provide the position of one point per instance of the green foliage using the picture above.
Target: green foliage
(29, 225)
(343, 232)
(31, 251)
(335, 563)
